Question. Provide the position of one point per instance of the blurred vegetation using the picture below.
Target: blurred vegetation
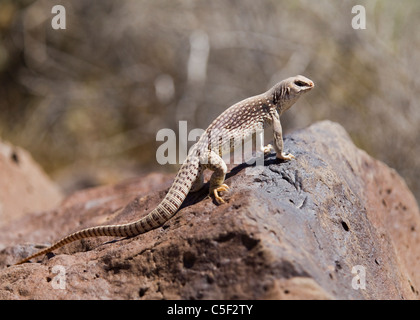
(88, 101)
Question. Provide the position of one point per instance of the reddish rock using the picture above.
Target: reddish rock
(24, 187)
(296, 230)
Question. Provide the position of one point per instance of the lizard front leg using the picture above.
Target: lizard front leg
(260, 143)
(278, 139)
(219, 168)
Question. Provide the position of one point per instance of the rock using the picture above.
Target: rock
(24, 187)
(332, 224)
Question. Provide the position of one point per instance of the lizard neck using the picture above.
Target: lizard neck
(280, 97)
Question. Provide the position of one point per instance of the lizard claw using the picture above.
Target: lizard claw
(284, 156)
(267, 149)
(223, 187)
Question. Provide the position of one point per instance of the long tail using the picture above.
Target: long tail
(162, 213)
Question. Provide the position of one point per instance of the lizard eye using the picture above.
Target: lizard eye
(300, 83)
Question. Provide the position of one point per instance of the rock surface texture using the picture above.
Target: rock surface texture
(323, 226)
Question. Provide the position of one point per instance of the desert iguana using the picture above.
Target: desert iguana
(237, 123)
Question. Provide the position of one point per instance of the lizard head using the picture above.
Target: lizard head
(286, 92)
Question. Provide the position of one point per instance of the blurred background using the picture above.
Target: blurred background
(88, 101)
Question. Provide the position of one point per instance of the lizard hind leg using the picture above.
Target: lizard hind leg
(199, 181)
(219, 168)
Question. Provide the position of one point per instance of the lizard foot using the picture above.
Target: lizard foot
(223, 187)
(267, 149)
(284, 156)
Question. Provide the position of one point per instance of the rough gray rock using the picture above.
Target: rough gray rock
(294, 231)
